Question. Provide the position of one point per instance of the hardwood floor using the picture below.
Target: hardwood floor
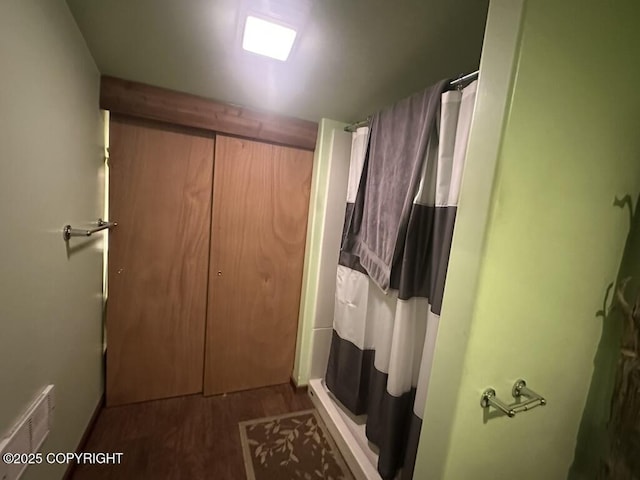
(188, 438)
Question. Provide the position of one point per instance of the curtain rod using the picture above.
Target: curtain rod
(464, 78)
(352, 127)
(458, 82)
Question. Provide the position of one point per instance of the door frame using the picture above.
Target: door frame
(498, 69)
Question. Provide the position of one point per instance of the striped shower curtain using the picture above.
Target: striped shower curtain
(382, 345)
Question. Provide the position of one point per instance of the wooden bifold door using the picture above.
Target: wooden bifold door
(205, 264)
(258, 232)
(160, 192)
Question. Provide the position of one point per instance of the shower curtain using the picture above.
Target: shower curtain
(382, 345)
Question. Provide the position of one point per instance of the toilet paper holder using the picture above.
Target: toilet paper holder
(519, 390)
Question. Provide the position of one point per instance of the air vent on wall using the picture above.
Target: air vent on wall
(29, 433)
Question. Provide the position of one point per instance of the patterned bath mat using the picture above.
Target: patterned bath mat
(290, 447)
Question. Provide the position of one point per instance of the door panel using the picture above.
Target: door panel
(160, 195)
(260, 206)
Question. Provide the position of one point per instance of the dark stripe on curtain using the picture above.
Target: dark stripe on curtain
(415, 426)
(422, 267)
(388, 423)
(349, 373)
(360, 387)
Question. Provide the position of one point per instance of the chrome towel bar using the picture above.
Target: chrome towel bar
(520, 389)
(68, 232)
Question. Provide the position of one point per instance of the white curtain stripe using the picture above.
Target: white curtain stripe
(462, 139)
(358, 149)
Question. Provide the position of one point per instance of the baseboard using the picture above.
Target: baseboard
(85, 437)
(298, 388)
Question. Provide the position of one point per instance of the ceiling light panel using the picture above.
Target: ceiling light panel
(268, 38)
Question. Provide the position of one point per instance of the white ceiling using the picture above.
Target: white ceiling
(353, 56)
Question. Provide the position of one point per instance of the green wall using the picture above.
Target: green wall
(51, 150)
(552, 245)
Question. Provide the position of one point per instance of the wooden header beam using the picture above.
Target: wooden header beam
(155, 103)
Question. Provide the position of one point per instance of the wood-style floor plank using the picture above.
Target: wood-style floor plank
(185, 438)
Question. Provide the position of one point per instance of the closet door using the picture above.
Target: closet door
(260, 206)
(160, 195)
